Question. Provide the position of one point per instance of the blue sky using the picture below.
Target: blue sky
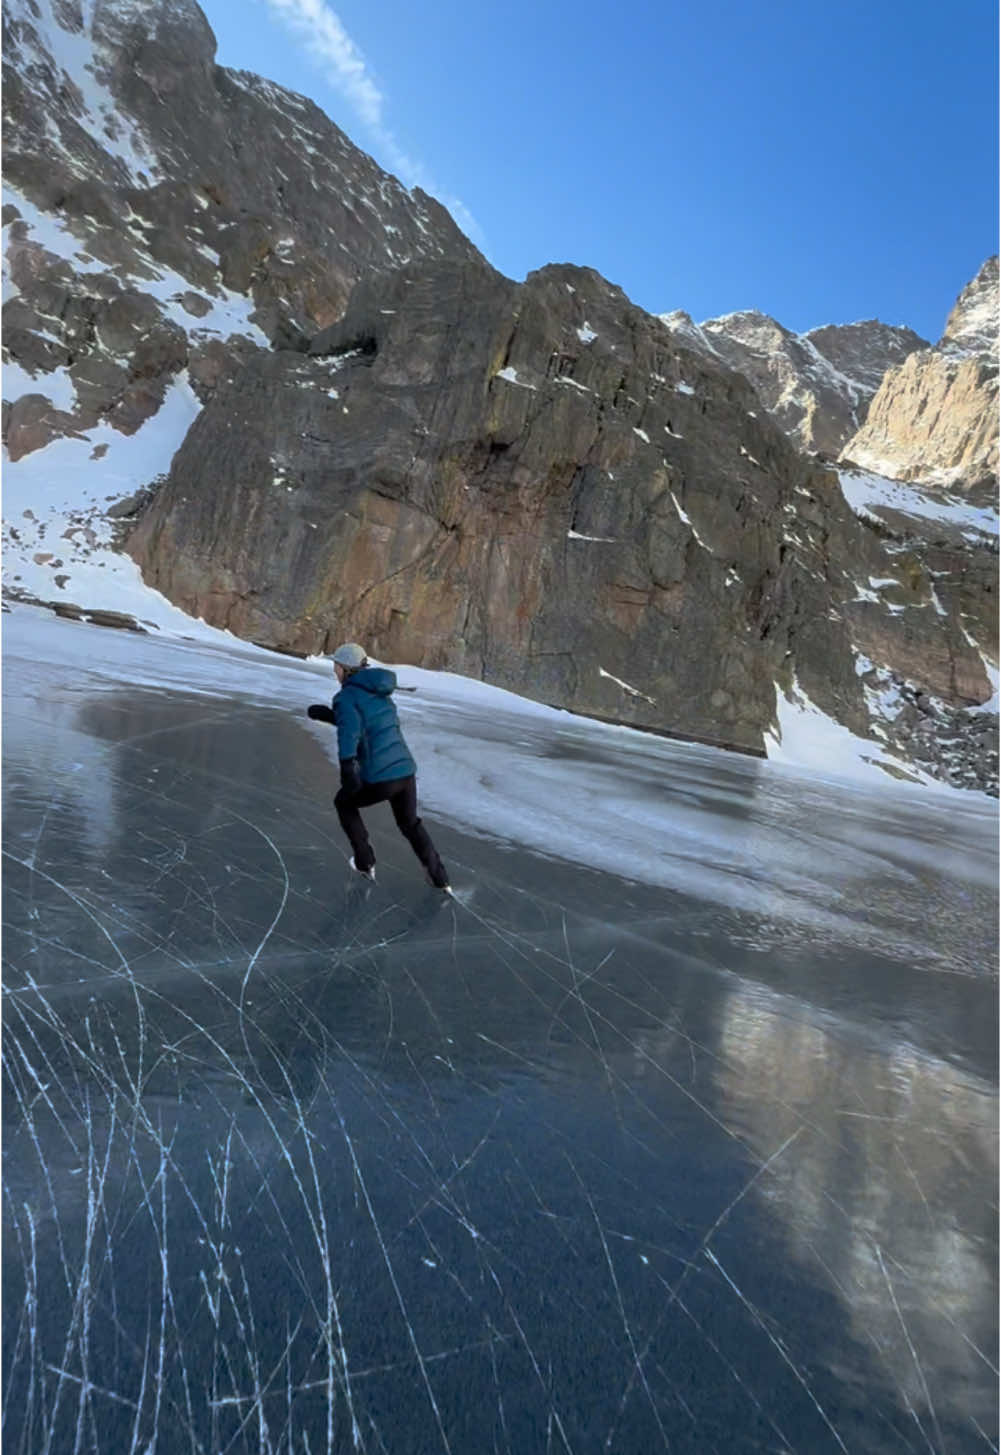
(822, 160)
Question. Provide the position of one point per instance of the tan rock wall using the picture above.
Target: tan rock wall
(934, 419)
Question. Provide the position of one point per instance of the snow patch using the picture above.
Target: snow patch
(229, 314)
(73, 53)
(54, 504)
(230, 311)
(511, 376)
(806, 736)
(57, 386)
(688, 521)
(633, 691)
(865, 492)
(44, 229)
(991, 705)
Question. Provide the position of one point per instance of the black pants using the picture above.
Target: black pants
(401, 794)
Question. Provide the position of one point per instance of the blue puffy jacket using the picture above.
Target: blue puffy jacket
(368, 728)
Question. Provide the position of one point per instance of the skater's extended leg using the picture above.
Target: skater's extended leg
(404, 805)
(347, 806)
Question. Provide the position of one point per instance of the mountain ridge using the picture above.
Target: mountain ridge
(818, 384)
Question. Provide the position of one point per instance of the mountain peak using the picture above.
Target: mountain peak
(934, 418)
(972, 326)
(752, 327)
(817, 385)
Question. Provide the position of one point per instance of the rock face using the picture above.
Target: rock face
(165, 214)
(935, 417)
(816, 385)
(972, 326)
(535, 485)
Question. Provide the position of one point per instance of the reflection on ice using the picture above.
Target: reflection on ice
(869, 1198)
(568, 1163)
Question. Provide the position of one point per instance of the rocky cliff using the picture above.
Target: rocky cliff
(165, 214)
(816, 385)
(935, 417)
(536, 483)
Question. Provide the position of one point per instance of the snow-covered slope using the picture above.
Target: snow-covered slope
(879, 498)
(144, 236)
(972, 326)
(58, 536)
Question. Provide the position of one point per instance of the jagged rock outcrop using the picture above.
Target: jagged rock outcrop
(534, 485)
(167, 214)
(816, 385)
(972, 326)
(935, 417)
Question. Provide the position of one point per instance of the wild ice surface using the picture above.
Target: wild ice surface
(675, 1129)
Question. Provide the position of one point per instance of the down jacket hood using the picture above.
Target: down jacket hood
(372, 679)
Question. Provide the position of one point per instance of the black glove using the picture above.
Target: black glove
(350, 775)
(319, 712)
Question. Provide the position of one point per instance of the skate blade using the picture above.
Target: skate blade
(461, 896)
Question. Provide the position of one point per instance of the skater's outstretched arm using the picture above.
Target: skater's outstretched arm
(349, 732)
(349, 727)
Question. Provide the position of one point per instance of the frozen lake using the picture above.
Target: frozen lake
(677, 1129)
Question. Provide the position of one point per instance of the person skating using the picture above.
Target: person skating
(376, 765)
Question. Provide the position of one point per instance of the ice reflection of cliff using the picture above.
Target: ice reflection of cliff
(893, 1176)
(79, 783)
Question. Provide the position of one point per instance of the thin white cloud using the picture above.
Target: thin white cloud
(329, 45)
(328, 42)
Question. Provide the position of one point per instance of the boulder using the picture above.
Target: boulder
(33, 422)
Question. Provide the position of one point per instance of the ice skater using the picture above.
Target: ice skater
(376, 766)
